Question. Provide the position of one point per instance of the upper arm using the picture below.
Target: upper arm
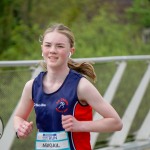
(26, 103)
(87, 92)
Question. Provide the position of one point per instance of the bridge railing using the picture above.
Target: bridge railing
(117, 140)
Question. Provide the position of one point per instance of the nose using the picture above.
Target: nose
(52, 49)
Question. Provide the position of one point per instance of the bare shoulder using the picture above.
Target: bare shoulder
(85, 85)
(29, 83)
(86, 90)
(28, 87)
(25, 104)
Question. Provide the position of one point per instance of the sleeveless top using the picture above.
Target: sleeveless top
(50, 107)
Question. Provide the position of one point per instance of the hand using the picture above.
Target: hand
(69, 123)
(25, 129)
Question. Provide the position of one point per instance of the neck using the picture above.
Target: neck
(57, 75)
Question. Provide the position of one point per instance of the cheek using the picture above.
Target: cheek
(45, 50)
(64, 55)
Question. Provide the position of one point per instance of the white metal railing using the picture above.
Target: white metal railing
(109, 94)
(119, 138)
(95, 59)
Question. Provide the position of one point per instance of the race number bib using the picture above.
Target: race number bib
(52, 141)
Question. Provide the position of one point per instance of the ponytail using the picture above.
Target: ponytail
(84, 68)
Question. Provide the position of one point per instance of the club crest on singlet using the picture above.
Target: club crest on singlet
(62, 105)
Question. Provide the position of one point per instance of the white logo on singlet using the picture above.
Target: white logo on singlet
(39, 105)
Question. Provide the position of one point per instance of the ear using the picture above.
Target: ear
(72, 50)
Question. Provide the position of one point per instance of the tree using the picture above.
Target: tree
(139, 13)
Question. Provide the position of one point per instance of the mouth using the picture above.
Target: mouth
(52, 58)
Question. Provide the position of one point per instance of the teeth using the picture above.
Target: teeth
(52, 58)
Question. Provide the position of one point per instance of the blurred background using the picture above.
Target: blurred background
(101, 27)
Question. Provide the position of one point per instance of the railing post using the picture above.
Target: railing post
(9, 133)
(119, 137)
(109, 94)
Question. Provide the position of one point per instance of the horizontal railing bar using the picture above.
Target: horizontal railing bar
(95, 59)
(18, 63)
(115, 58)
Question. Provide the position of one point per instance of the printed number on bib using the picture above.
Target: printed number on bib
(52, 141)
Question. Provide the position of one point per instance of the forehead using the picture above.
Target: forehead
(55, 37)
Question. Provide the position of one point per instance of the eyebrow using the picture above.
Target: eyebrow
(56, 43)
(47, 42)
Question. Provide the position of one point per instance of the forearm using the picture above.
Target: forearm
(103, 125)
(17, 122)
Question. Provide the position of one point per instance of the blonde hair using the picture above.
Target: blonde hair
(84, 68)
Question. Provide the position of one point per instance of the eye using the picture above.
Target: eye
(60, 46)
(47, 45)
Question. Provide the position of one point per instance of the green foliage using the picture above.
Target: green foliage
(140, 12)
(97, 29)
(104, 36)
(24, 42)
